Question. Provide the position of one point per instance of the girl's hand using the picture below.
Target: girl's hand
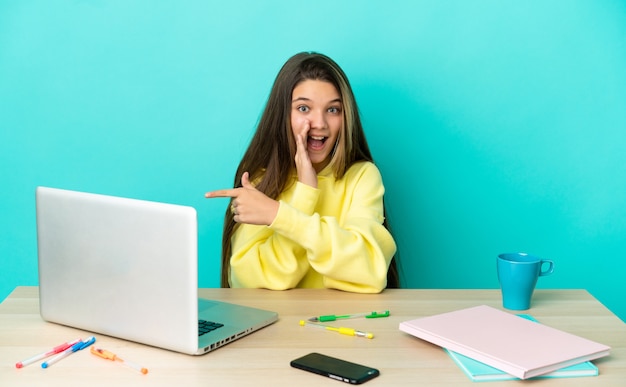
(248, 204)
(304, 167)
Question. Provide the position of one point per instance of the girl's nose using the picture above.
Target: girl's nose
(318, 120)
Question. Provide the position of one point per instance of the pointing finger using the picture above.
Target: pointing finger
(222, 193)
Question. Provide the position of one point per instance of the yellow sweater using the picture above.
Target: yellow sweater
(326, 237)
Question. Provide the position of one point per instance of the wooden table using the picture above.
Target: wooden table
(262, 359)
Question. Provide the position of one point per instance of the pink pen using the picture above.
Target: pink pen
(53, 351)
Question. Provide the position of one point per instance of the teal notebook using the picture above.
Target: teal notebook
(479, 372)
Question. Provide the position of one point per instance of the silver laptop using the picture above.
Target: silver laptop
(129, 268)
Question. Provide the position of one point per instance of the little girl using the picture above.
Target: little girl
(307, 208)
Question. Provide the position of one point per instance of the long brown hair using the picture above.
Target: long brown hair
(269, 158)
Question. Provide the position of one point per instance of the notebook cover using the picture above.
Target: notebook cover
(502, 340)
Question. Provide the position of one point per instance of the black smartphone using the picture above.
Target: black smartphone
(334, 368)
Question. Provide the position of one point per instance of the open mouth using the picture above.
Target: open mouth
(316, 142)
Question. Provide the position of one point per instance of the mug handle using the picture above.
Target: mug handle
(550, 268)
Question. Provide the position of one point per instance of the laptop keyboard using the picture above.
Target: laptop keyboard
(207, 326)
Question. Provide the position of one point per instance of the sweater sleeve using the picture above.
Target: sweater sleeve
(263, 258)
(351, 250)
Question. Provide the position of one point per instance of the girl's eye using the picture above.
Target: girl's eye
(303, 108)
(334, 110)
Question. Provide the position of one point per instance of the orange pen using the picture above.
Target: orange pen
(103, 353)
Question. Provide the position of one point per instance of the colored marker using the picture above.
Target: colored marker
(74, 348)
(342, 330)
(103, 353)
(53, 351)
(333, 317)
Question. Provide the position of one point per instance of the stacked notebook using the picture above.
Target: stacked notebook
(506, 342)
(480, 372)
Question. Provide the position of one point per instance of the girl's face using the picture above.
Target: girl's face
(317, 115)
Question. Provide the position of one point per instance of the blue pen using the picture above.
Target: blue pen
(74, 348)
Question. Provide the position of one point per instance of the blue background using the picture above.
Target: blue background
(499, 126)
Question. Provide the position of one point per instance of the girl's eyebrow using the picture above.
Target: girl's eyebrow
(308, 99)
